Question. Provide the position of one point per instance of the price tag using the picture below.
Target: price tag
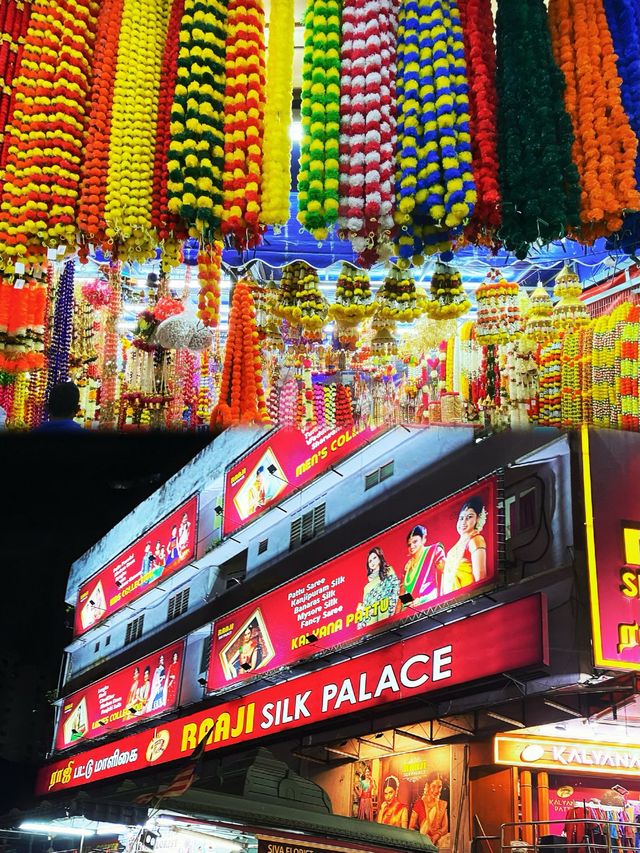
(18, 283)
(52, 254)
(19, 267)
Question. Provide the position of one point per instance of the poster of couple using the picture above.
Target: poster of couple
(409, 791)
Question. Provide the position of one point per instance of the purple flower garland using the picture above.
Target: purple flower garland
(62, 329)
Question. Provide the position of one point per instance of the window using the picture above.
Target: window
(134, 630)
(308, 526)
(263, 545)
(178, 604)
(378, 476)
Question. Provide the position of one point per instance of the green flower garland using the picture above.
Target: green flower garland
(196, 150)
(538, 180)
(318, 194)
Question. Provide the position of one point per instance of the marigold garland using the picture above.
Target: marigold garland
(196, 150)
(209, 266)
(133, 128)
(93, 188)
(538, 179)
(243, 123)
(241, 399)
(14, 22)
(46, 134)
(318, 194)
(604, 144)
(300, 301)
(276, 166)
(398, 299)
(447, 298)
(477, 25)
(22, 320)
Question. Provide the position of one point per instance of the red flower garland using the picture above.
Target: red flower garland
(14, 20)
(93, 190)
(477, 24)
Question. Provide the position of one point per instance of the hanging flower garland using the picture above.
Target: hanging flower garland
(46, 134)
(62, 329)
(209, 268)
(166, 224)
(318, 193)
(14, 22)
(301, 303)
(196, 150)
(353, 301)
(477, 25)
(604, 144)
(93, 187)
(448, 299)
(243, 123)
(539, 321)
(242, 399)
(23, 308)
(435, 189)
(398, 299)
(133, 128)
(498, 310)
(276, 165)
(538, 180)
(570, 312)
(367, 124)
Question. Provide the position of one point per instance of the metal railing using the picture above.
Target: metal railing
(588, 835)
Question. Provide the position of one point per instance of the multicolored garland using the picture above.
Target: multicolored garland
(209, 266)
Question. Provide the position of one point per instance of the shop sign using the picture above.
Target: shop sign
(336, 603)
(612, 510)
(513, 637)
(299, 844)
(285, 461)
(144, 689)
(161, 552)
(575, 755)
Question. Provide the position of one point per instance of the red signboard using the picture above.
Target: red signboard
(612, 507)
(162, 550)
(509, 637)
(437, 556)
(282, 463)
(145, 688)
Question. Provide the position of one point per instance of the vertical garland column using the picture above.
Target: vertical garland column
(109, 372)
(14, 21)
(196, 149)
(46, 134)
(538, 179)
(62, 329)
(134, 118)
(318, 190)
(276, 166)
(243, 123)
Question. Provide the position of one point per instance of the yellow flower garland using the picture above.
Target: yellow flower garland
(276, 172)
(133, 127)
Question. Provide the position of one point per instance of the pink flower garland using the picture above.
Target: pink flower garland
(367, 123)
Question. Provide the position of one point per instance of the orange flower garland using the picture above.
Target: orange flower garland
(209, 265)
(93, 190)
(14, 20)
(22, 320)
(46, 135)
(604, 148)
(243, 122)
(241, 399)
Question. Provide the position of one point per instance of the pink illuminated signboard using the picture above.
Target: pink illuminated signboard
(437, 556)
(139, 691)
(282, 463)
(162, 550)
(509, 637)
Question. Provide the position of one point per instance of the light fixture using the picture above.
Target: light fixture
(406, 598)
(312, 638)
(54, 828)
(132, 710)
(564, 708)
(272, 468)
(202, 682)
(246, 666)
(215, 841)
(103, 722)
(504, 719)
(335, 471)
(218, 510)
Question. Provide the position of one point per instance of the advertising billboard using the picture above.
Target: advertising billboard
(612, 524)
(437, 556)
(285, 461)
(564, 754)
(162, 550)
(141, 690)
(508, 637)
